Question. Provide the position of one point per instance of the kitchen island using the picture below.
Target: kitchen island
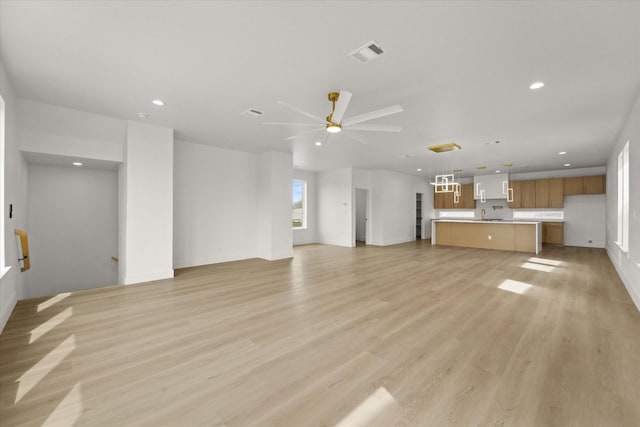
(519, 236)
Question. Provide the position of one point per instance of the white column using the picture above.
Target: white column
(146, 205)
(274, 207)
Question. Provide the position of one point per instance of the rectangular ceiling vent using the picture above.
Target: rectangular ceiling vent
(369, 51)
(252, 112)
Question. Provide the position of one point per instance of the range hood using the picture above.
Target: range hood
(492, 187)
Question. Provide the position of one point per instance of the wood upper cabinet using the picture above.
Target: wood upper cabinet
(438, 200)
(528, 194)
(556, 193)
(445, 200)
(572, 186)
(593, 184)
(549, 193)
(442, 200)
(466, 198)
(584, 185)
(516, 186)
(542, 193)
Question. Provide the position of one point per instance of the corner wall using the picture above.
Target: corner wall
(148, 215)
(627, 264)
(15, 187)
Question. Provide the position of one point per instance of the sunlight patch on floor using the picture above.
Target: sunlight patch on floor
(545, 261)
(53, 300)
(515, 286)
(539, 267)
(37, 372)
(68, 411)
(365, 413)
(50, 324)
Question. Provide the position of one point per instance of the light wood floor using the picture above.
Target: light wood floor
(407, 335)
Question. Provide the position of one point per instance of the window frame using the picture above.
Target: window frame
(3, 129)
(303, 226)
(622, 236)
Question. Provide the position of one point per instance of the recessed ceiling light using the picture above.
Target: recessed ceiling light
(536, 85)
(562, 152)
(318, 143)
(143, 116)
(158, 102)
(77, 164)
(498, 171)
(567, 165)
(419, 170)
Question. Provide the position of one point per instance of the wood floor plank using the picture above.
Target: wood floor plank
(404, 335)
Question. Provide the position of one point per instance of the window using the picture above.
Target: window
(299, 204)
(623, 198)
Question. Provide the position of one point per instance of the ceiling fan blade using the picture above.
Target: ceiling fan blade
(354, 138)
(289, 124)
(303, 133)
(374, 127)
(372, 115)
(297, 110)
(341, 106)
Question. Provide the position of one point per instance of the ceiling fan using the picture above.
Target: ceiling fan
(334, 122)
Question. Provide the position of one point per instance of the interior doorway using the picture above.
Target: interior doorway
(362, 197)
(418, 216)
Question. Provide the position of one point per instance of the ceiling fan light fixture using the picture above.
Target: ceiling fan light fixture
(333, 128)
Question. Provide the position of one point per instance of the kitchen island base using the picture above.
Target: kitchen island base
(516, 236)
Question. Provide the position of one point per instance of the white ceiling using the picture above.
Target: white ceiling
(461, 70)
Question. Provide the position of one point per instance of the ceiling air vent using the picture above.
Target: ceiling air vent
(252, 112)
(369, 51)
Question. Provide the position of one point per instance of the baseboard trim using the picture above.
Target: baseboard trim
(148, 277)
(633, 293)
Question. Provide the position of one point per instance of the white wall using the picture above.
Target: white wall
(51, 129)
(73, 229)
(393, 203)
(335, 218)
(627, 264)
(215, 205)
(303, 236)
(148, 218)
(15, 182)
(584, 220)
(274, 213)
